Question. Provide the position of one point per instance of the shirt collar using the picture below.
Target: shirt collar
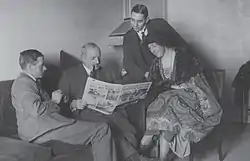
(87, 69)
(31, 76)
(145, 30)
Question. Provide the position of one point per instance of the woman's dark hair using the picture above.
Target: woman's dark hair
(140, 8)
(160, 40)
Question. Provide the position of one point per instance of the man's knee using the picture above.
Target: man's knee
(103, 128)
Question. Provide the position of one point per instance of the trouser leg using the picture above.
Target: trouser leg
(122, 130)
(84, 133)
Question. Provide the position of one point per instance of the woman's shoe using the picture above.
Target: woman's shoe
(146, 140)
(142, 158)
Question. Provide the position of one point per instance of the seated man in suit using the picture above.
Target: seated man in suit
(38, 117)
(72, 84)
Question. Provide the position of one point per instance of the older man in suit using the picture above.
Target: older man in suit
(72, 85)
(137, 57)
(38, 117)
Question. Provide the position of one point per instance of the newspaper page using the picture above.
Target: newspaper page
(104, 97)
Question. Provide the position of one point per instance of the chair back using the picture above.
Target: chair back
(216, 80)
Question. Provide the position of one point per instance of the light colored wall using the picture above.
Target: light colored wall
(52, 25)
(219, 29)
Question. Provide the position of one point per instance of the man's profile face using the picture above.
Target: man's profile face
(138, 21)
(39, 68)
(92, 58)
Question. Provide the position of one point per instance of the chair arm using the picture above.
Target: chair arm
(242, 100)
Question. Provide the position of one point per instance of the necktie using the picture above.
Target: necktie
(43, 95)
(142, 37)
(92, 74)
(38, 84)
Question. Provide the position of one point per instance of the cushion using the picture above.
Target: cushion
(8, 126)
(18, 150)
(63, 151)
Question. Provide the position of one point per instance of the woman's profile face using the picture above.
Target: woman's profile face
(156, 49)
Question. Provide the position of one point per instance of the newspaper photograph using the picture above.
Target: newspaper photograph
(105, 97)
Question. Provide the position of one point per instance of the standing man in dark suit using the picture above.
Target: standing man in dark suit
(38, 117)
(72, 85)
(137, 57)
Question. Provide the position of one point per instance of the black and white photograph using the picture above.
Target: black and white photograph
(124, 80)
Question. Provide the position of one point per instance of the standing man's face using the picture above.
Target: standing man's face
(138, 21)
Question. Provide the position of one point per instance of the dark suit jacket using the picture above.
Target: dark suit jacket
(72, 84)
(137, 57)
(36, 113)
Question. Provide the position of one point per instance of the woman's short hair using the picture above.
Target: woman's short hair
(29, 57)
(140, 8)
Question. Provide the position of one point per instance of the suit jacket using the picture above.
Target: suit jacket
(36, 113)
(137, 58)
(72, 84)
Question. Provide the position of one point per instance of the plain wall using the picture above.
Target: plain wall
(219, 29)
(52, 25)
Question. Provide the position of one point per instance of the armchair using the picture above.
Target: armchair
(216, 79)
(241, 91)
(242, 100)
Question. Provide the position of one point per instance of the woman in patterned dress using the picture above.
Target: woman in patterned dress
(184, 108)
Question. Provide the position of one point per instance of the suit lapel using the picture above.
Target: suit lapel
(44, 96)
(81, 81)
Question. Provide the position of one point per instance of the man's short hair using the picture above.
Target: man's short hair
(29, 57)
(140, 8)
(90, 45)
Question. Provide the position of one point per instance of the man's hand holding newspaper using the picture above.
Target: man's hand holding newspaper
(105, 97)
(78, 104)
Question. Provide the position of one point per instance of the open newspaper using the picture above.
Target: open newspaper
(105, 97)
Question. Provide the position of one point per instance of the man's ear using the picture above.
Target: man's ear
(147, 19)
(82, 57)
(28, 67)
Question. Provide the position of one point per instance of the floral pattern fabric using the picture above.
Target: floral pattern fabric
(189, 111)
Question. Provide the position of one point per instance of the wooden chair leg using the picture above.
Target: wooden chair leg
(220, 152)
(191, 155)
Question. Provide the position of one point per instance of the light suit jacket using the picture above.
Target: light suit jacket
(36, 113)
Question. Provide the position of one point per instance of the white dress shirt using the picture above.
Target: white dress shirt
(145, 30)
(87, 69)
